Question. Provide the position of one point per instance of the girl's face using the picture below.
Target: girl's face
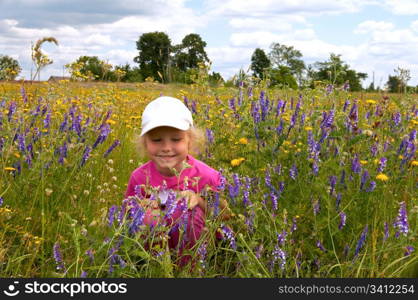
(167, 147)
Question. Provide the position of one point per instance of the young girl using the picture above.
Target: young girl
(167, 137)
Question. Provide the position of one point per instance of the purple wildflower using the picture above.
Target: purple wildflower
(229, 234)
(194, 108)
(329, 89)
(374, 149)
(279, 128)
(62, 152)
(364, 177)
(85, 155)
(346, 104)
(47, 120)
(137, 219)
(316, 207)
(171, 204)
(279, 255)
(83, 274)
(1, 201)
(281, 186)
(396, 118)
(413, 135)
(338, 201)
(279, 106)
(362, 240)
(111, 215)
(110, 149)
(202, 253)
(329, 119)
(372, 186)
(355, 165)
(315, 168)
(281, 237)
(278, 169)
(382, 165)
(273, 197)
(346, 86)
(258, 250)
(293, 172)
(408, 250)
(222, 182)
(12, 110)
(294, 227)
(402, 220)
(21, 142)
(90, 254)
(58, 257)
(343, 218)
(209, 135)
(320, 246)
(386, 235)
(246, 192)
(104, 132)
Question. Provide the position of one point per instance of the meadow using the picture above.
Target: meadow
(322, 182)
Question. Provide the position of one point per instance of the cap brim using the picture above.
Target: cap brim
(152, 125)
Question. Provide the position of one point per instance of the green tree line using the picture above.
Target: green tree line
(160, 60)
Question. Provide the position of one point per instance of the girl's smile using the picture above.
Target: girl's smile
(168, 148)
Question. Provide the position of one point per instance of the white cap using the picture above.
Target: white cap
(166, 111)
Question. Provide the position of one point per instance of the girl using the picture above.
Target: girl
(167, 137)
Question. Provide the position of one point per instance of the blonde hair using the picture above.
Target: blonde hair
(197, 142)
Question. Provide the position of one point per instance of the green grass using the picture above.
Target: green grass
(48, 202)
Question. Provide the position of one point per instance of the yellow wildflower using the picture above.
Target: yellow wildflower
(9, 169)
(243, 141)
(363, 162)
(237, 161)
(382, 177)
(370, 101)
(414, 163)
(308, 128)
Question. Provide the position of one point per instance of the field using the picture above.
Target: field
(322, 183)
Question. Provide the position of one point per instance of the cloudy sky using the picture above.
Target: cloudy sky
(373, 36)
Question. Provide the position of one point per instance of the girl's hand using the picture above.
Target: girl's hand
(145, 203)
(193, 200)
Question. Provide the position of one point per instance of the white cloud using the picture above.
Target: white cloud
(278, 23)
(113, 41)
(257, 8)
(372, 26)
(402, 7)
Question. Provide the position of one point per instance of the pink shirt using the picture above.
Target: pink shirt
(199, 172)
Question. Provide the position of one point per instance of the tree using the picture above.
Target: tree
(393, 84)
(404, 75)
(154, 55)
(129, 74)
(337, 72)
(9, 68)
(90, 68)
(40, 59)
(190, 52)
(215, 79)
(282, 55)
(259, 63)
(283, 76)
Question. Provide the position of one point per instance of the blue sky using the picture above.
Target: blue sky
(372, 36)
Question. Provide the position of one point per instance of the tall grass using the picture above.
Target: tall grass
(295, 165)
